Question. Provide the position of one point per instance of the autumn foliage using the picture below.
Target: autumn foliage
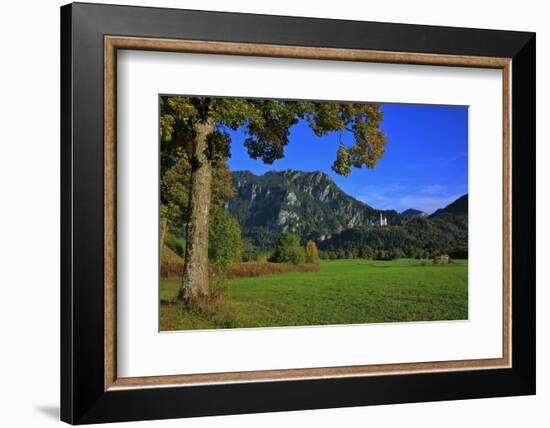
(312, 254)
(251, 269)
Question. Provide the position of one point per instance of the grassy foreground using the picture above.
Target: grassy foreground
(342, 292)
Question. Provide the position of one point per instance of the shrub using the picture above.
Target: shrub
(288, 249)
(224, 240)
(398, 253)
(171, 264)
(174, 244)
(169, 270)
(262, 257)
(312, 254)
(365, 253)
(459, 253)
(251, 269)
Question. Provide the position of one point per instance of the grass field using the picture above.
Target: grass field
(343, 292)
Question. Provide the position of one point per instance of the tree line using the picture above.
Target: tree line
(420, 238)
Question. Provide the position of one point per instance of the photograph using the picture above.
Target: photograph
(287, 212)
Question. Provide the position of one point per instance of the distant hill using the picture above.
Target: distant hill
(412, 214)
(455, 213)
(419, 235)
(460, 207)
(311, 205)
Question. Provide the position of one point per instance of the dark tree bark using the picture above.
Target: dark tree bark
(195, 272)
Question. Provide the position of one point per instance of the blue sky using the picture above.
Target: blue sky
(425, 165)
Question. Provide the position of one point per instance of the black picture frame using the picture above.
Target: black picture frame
(83, 399)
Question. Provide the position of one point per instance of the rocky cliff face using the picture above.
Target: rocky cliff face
(308, 203)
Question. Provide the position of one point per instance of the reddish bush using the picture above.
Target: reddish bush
(168, 270)
(250, 269)
(245, 269)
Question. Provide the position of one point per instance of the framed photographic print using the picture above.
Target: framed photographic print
(266, 213)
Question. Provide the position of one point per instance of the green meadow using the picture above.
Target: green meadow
(343, 292)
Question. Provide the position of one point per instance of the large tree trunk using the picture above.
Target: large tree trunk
(195, 272)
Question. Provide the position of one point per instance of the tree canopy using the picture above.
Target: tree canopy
(176, 139)
(267, 123)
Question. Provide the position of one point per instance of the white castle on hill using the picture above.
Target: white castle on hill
(383, 220)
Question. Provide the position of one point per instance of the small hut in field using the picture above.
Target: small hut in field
(441, 258)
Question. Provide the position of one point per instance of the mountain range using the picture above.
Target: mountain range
(311, 205)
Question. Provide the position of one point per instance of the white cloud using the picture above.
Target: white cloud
(379, 194)
(433, 189)
(399, 197)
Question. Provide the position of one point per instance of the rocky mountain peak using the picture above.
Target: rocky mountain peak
(308, 203)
